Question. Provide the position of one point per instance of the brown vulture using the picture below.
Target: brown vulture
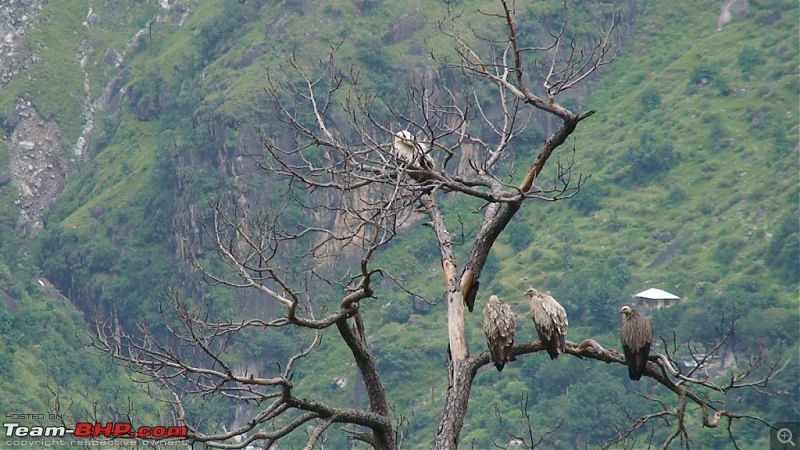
(637, 335)
(471, 294)
(499, 326)
(551, 322)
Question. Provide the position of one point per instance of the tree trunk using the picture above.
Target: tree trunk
(456, 404)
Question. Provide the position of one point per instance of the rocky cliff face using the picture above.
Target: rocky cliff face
(36, 165)
(36, 162)
(16, 18)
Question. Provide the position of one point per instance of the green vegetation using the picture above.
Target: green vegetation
(694, 188)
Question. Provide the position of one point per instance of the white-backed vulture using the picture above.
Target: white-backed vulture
(637, 335)
(411, 151)
(499, 327)
(551, 322)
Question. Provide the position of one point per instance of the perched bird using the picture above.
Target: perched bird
(499, 326)
(637, 335)
(411, 151)
(551, 322)
(469, 288)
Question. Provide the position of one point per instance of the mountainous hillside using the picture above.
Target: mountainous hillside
(120, 120)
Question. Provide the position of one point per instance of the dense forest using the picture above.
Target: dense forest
(124, 123)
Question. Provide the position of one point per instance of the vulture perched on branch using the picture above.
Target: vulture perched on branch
(469, 288)
(499, 326)
(551, 322)
(411, 151)
(637, 335)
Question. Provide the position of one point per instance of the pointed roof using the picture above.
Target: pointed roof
(657, 294)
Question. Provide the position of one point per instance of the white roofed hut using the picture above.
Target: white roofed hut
(656, 299)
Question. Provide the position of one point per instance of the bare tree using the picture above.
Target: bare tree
(336, 158)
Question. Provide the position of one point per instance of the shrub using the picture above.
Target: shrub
(703, 75)
(588, 198)
(748, 59)
(726, 251)
(768, 326)
(518, 236)
(649, 157)
(650, 99)
(676, 194)
(398, 311)
(783, 254)
(102, 257)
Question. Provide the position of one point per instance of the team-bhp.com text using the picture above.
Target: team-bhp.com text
(96, 430)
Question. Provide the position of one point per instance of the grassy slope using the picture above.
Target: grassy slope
(734, 185)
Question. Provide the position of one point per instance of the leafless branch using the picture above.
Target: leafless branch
(698, 390)
(526, 439)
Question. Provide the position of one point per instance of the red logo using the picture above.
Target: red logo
(125, 430)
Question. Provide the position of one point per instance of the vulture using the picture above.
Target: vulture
(469, 288)
(551, 322)
(411, 151)
(637, 335)
(499, 326)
